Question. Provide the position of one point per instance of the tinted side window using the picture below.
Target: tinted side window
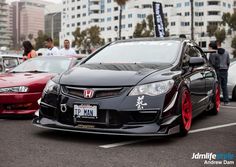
(1, 65)
(193, 52)
(189, 52)
(201, 53)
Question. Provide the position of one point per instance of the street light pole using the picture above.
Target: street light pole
(192, 18)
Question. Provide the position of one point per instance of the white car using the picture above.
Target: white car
(232, 81)
(41, 51)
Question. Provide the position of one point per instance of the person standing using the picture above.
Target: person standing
(29, 51)
(52, 50)
(213, 59)
(67, 50)
(221, 62)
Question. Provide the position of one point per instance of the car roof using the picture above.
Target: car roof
(60, 57)
(15, 56)
(154, 39)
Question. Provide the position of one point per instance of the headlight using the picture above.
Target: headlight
(52, 87)
(17, 89)
(152, 89)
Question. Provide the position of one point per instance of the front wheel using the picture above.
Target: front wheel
(185, 106)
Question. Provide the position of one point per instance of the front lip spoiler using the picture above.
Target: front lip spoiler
(54, 125)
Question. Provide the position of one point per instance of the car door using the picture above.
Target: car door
(210, 78)
(197, 82)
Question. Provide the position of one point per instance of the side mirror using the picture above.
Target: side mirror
(196, 61)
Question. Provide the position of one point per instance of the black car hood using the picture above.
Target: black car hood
(100, 75)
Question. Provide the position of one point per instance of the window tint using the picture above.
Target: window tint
(191, 52)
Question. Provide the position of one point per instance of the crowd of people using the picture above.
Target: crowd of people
(29, 51)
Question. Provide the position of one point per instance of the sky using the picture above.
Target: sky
(55, 1)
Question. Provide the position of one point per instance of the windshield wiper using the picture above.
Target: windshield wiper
(16, 71)
(35, 71)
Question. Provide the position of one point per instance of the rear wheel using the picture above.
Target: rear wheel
(216, 100)
(185, 106)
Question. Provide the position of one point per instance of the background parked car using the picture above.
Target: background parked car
(41, 51)
(232, 80)
(22, 87)
(7, 62)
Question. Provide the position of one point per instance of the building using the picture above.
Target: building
(4, 33)
(28, 18)
(53, 25)
(10, 24)
(206, 12)
(105, 14)
(53, 20)
(234, 6)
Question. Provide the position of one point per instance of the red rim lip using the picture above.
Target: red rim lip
(217, 99)
(186, 110)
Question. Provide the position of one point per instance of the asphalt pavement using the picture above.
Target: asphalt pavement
(24, 145)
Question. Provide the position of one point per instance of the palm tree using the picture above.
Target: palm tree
(192, 18)
(121, 3)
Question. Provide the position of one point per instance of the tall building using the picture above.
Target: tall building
(105, 14)
(28, 18)
(234, 6)
(53, 25)
(4, 33)
(53, 20)
(10, 24)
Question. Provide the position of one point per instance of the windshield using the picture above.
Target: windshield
(138, 52)
(10, 62)
(44, 64)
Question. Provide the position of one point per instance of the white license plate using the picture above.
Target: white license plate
(85, 111)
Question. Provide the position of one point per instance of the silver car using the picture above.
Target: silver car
(232, 81)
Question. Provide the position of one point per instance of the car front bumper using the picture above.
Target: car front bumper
(168, 126)
(19, 103)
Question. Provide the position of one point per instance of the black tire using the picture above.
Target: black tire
(215, 100)
(234, 94)
(185, 109)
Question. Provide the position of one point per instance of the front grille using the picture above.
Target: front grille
(98, 92)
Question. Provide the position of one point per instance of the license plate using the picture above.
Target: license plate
(85, 111)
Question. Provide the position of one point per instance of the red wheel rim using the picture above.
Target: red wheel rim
(217, 99)
(186, 110)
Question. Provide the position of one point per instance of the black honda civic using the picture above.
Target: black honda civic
(139, 87)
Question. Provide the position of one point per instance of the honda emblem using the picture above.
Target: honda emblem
(88, 93)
